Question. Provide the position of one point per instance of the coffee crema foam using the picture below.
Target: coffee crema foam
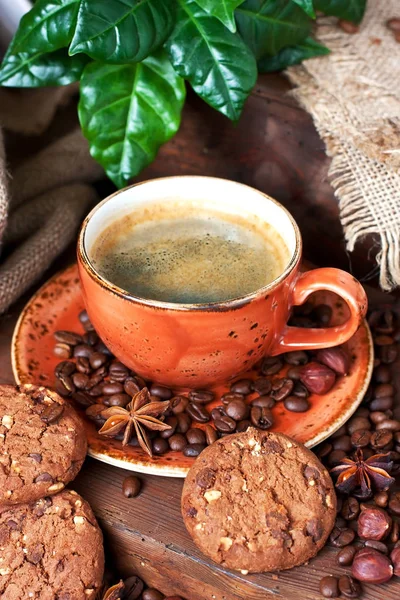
(189, 254)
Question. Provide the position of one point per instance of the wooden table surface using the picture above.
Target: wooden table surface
(146, 535)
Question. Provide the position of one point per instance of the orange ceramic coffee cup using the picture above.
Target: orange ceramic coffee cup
(199, 345)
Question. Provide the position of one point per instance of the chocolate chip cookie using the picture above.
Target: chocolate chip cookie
(42, 443)
(258, 501)
(50, 550)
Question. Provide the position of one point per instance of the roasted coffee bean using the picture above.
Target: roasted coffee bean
(83, 351)
(243, 386)
(324, 449)
(133, 588)
(152, 594)
(284, 390)
(160, 391)
(118, 400)
(357, 423)
(62, 351)
(80, 380)
(388, 354)
(295, 358)
(341, 537)
(346, 555)
(329, 587)
(225, 424)
(193, 450)
(201, 396)
(67, 383)
(84, 319)
(362, 411)
(264, 402)
(262, 386)
(83, 399)
(160, 445)
(68, 337)
(196, 436)
(198, 412)
(341, 431)
(51, 413)
(131, 386)
(395, 533)
(377, 417)
(237, 410)
(382, 374)
(381, 438)
(349, 587)
(110, 388)
(211, 434)
(118, 371)
(177, 442)
(294, 373)
(394, 503)
(271, 365)
(360, 438)
(300, 390)
(97, 359)
(295, 404)
(381, 499)
(229, 397)
(381, 404)
(350, 509)
(91, 338)
(94, 411)
(217, 412)
(172, 421)
(131, 486)
(380, 546)
(384, 390)
(261, 417)
(96, 390)
(336, 457)
(340, 522)
(66, 367)
(243, 426)
(322, 313)
(83, 365)
(389, 424)
(343, 442)
(179, 404)
(184, 422)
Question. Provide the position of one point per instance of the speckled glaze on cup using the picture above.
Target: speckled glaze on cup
(200, 345)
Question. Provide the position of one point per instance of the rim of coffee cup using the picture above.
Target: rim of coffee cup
(293, 239)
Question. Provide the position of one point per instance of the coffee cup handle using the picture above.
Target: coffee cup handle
(333, 280)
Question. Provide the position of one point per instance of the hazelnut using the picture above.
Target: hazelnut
(371, 566)
(334, 358)
(395, 556)
(317, 378)
(373, 523)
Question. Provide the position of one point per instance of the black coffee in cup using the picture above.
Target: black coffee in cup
(187, 253)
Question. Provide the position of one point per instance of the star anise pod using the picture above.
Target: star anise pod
(361, 477)
(115, 592)
(139, 414)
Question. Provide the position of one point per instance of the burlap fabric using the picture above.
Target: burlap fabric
(353, 95)
(44, 198)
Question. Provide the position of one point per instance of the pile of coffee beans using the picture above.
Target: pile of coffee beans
(133, 588)
(367, 529)
(94, 378)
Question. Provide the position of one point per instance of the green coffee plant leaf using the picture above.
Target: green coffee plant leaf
(36, 69)
(217, 63)
(307, 6)
(120, 31)
(128, 111)
(222, 9)
(350, 10)
(48, 26)
(267, 26)
(292, 55)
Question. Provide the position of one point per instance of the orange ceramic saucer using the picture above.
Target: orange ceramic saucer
(57, 305)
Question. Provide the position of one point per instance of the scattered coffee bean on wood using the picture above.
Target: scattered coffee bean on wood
(329, 587)
(131, 486)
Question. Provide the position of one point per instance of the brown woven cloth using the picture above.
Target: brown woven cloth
(44, 199)
(353, 95)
